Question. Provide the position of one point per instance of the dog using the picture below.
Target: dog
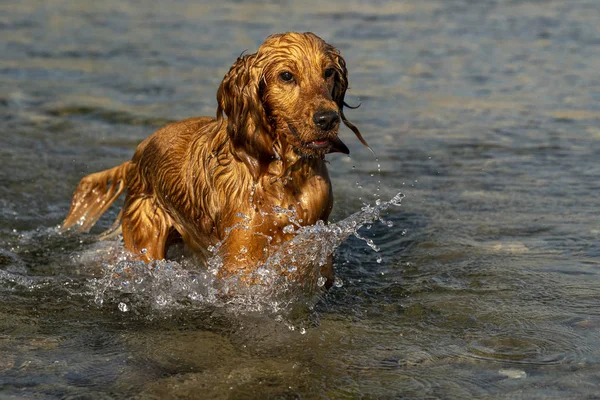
(203, 181)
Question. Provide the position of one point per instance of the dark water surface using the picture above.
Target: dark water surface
(485, 114)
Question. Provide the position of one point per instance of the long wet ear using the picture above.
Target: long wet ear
(339, 92)
(240, 99)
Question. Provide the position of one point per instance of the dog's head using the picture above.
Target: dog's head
(292, 89)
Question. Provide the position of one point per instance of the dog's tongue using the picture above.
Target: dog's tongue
(337, 146)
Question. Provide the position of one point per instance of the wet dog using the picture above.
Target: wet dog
(220, 180)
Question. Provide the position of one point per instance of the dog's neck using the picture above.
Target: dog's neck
(282, 163)
(292, 179)
(285, 159)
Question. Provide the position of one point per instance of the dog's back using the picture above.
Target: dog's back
(165, 180)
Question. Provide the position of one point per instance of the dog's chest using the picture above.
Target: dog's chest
(302, 197)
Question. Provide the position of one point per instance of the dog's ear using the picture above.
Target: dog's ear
(240, 99)
(339, 90)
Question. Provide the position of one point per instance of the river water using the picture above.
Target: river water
(483, 283)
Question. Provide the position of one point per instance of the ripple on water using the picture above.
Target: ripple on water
(536, 345)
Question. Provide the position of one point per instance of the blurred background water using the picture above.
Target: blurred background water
(485, 114)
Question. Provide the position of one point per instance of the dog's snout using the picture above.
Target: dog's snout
(326, 120)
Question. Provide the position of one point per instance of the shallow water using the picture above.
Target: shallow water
(484, 114)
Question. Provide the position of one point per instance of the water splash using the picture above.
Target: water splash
(290, 276)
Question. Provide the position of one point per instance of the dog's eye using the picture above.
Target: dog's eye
(328, 73)
(286, 76)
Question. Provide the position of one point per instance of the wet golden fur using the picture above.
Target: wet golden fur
(195, 179)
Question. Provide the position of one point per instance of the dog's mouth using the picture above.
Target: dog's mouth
(329, 143)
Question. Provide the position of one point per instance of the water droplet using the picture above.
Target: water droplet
(243, 250)
(143, 251)
(321, 281)
(292, 268)
(379, 260)
(397, 199)
(337, 282)
(403, 232)
(288, 229)
(123, 307)
(372, 244)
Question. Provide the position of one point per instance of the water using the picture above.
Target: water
(485, 115)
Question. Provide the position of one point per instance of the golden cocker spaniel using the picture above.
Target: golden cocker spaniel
(278, 114)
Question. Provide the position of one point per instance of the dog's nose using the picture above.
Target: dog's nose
(326, 119)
